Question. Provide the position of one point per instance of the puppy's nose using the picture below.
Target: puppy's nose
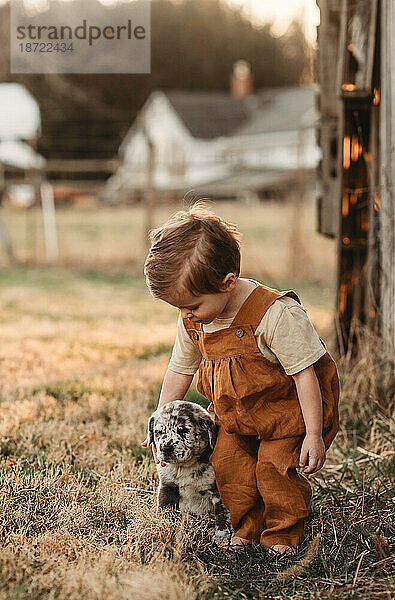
(167, 450)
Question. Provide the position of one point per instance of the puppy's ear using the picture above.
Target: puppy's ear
(212, 432)
(150, 436)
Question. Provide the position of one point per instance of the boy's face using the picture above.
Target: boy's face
(206, 307)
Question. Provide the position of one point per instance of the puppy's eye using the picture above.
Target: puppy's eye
(181, 430)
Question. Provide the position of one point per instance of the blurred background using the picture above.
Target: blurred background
(242, 106)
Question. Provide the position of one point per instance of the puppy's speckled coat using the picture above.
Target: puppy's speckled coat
(184, 435)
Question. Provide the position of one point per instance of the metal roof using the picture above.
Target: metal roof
(214, 114)
(209, 115)
(281, 109)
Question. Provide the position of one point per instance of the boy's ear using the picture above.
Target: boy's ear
(229, 282)
(150, 436)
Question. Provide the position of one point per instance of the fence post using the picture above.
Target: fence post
(49, 219)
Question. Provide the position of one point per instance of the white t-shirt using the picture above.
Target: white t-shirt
(285, 335)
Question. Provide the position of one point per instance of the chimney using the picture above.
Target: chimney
(241, 79)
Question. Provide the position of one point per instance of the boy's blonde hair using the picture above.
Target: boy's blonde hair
(192, 252)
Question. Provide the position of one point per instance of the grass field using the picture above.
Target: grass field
(105, 238)
(83, 352)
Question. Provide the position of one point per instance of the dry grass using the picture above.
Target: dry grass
(109, 238)
(82, 357)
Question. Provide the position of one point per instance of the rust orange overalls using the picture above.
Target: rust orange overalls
(260, 425)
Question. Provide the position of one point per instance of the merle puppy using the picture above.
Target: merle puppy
(184, 435)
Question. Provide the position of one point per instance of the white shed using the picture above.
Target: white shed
(20, 126)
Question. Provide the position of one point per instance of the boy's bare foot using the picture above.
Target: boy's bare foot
(283, 549)
(235, 543)
(238, 542)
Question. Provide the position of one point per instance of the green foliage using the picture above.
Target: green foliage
(66, 390)
(194, 396)
(6, 447)
(59, 279)
(153, 351)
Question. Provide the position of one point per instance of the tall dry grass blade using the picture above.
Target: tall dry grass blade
(303, 563)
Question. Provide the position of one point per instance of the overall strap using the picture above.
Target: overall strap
(192, 329)
(257, 303)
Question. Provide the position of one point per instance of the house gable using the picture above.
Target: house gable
(209, 115)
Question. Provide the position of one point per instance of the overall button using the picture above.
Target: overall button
(240, 332)
(195, 335)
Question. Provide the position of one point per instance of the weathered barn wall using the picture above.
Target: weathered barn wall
(387, 170)
(355, 69)
(329, 105)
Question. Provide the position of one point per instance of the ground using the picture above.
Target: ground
(83, 352)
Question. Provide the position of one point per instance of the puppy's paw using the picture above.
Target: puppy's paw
(222, 536)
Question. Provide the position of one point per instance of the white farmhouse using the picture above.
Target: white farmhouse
(218, 144)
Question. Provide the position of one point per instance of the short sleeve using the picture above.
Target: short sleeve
(290, 335)
(185, 358)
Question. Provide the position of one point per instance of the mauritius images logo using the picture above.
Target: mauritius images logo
(80, 36)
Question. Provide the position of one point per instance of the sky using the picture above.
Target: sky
(279, 12)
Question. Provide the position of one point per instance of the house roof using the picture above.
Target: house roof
(19, 113)
(209, 115)
(280, 109)
(214, 114)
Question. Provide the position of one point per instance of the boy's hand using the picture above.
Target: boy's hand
(312, 453)
(145, 443)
